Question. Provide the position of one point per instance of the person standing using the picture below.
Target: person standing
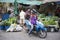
(22, 17)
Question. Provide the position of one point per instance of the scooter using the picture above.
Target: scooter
(41, 31)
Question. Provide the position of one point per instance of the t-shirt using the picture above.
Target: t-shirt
(22, 15)
(33, 20)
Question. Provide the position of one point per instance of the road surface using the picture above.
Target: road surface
(24, 36)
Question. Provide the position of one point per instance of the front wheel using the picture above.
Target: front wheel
(42, 34)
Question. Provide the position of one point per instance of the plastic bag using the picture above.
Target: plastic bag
(18, 28)
(14, 27)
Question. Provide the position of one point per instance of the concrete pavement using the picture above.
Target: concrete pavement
(24, 36)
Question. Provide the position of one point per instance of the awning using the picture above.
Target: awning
(50, 1)
(23, 1)
(32, 2)
(7, 1)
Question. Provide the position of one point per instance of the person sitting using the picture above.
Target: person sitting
(33, 19)
(31, 22)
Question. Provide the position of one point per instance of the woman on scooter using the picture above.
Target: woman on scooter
(33, 19)
(31, 22)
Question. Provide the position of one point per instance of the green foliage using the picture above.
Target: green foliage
(8, 22)
(41, 16)
(52, 22)
(49, 22)
(11, 20)
(55, 17)
(45, 23)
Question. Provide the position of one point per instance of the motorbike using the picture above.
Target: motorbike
(41, 31)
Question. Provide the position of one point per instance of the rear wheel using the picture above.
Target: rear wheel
(42, 34)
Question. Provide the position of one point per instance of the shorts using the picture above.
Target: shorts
(22, 20)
